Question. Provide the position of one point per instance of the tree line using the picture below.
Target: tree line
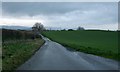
(38, 28)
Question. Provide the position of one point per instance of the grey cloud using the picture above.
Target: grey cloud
(60, 0)
(66, 14)
(33, 8)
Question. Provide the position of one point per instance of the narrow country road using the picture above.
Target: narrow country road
(53, 56)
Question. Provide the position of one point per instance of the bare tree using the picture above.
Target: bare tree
(80, 28)
(38, 27)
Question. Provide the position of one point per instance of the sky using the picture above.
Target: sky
(60, 0)
(90, 15)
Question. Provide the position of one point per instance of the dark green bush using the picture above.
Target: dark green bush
(17, 34)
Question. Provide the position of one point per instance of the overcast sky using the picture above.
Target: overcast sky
(90, 15)
(60, 0)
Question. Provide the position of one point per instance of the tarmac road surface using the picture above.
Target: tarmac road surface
(53, 56)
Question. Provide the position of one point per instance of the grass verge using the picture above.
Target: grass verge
(15, 53)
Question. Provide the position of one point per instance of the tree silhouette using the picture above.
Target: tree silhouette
(38, 28)
(80, 28)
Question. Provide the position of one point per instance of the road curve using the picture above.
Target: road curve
(53, 56)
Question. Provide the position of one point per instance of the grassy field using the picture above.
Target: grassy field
(102, 43)
(18, 48)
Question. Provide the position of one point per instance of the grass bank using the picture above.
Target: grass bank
(16, 51)
(101, 43)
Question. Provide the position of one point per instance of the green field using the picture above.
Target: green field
(102, 43)
(17, 47)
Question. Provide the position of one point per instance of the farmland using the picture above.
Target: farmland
(17, 47)
(97, 42)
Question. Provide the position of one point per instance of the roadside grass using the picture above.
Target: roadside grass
(0, 50)
(17, 52)
(17, 47)
(101, 43)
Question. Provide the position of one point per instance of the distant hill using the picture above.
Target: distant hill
(53, 28)
(26, 28)
(15, 27)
